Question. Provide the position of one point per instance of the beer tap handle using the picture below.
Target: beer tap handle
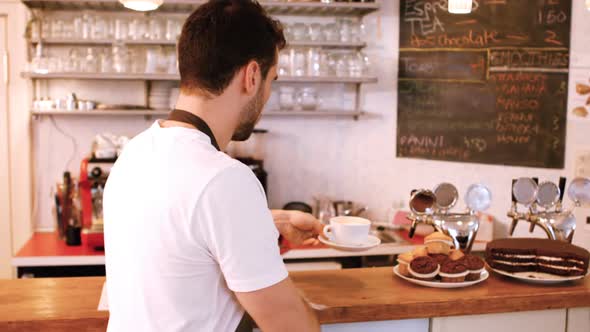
(514, 212)
(532, 226)
(513, 225)
(562, 181)
(413, 228)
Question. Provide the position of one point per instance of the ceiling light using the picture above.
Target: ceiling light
(142, 5)
(462, 6)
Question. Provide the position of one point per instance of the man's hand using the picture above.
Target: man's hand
(297, 227)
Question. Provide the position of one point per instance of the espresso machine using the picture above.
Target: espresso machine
(433, 208)
(543, 204)
(251, 153)
(93, 177)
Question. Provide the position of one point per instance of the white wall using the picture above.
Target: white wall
(306, 156)
(17, 135)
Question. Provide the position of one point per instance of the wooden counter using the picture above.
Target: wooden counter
(338, 296)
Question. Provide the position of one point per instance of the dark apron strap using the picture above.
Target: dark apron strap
(195, 121)
(246, 324)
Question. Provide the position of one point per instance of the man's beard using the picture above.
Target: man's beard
(249, 117)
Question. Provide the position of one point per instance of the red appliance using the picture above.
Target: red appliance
(93, 176)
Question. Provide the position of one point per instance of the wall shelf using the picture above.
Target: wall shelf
(107, 42)
(175, 77)
(160, 113)
(186, 6)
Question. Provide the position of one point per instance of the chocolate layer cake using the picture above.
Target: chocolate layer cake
(537, 255)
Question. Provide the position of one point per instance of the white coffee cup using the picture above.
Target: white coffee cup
(348, 230)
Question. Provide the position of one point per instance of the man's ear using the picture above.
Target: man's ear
(252, 78)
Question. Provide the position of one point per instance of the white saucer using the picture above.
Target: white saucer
(372, 241)
(538, 277)
(437, 284)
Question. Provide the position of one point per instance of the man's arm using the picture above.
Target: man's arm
(279, 308)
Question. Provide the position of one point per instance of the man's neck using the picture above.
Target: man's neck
(215, 112)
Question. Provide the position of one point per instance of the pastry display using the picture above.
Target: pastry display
(453, 271)
(424, 268)
(403, 261)
(537, 255)
(439, 263)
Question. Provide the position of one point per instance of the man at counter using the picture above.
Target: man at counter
(189, 240)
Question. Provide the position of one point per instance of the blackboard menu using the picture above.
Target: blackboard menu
(486, 87)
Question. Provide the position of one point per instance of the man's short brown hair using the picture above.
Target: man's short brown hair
(222, 36)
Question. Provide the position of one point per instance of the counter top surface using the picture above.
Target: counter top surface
(46, 249)
(337, 296)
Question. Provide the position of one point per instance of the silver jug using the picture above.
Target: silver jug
(432, 208)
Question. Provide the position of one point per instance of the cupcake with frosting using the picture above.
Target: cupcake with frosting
(475, 266)
(453, 271)
(403, 263)
(424, 268)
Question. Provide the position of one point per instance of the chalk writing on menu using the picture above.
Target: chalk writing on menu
(486, 87)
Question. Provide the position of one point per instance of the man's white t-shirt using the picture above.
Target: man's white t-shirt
(185, 227)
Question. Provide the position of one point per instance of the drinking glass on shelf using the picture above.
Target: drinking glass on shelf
(68, 29)
(316, 65)
(339, 65)
(172, 29)
(46, 28)
(100, 28)
(78, 27)
(106, 62)
(288, 31)
(357, 31)
(172, 62)
(57, 27)
(330, 32)
(366, 63)
(156, 29)
(121, 29)
(298, 62)
(143, 29)
(300, 32)
(355, 64)
(120, 59)
(315, 32)
(87, 23)
(307, 99)
(132, 30)
(284, 63)
(72, 63)
(90, 61)
(345, 29)
(286, 98)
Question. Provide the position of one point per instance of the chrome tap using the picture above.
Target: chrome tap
(432, 208)
(557, 223)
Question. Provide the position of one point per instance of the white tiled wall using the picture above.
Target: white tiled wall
(343, 158)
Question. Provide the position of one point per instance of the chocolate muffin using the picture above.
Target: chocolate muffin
(424, 268)
(439, 258)
(453, 271)
(475, 266)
